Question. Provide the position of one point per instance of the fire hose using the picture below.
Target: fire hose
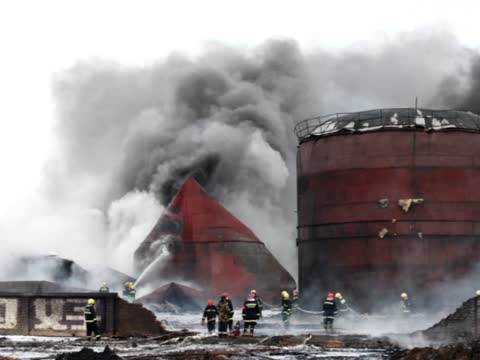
(319, 312)
(309, 311)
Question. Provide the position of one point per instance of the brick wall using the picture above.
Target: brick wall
(61, 314)
(463, 324)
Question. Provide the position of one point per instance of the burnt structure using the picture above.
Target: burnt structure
(388, 201)
(199, 242)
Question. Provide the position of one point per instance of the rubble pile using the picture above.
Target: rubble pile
(461, 325)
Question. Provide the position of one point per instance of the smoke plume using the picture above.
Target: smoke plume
(128, 136)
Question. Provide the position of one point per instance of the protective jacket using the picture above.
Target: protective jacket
(229, 304)
(223, 310)
(90, 314)
(210, 313)
(250, 311)
(329, 308)
(286, 306)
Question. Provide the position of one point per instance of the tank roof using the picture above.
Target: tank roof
(382, 119)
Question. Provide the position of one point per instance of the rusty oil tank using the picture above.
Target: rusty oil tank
(388, 201)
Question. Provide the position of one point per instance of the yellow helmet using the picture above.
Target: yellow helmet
(477, 292)
(404, 295)
(90, 302)
(285, 294)
(338, 295)
(253, 291)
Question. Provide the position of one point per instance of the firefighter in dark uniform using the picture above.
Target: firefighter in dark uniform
(210, 313)
(258, 300)
(230, 305)
(329, 311)
(91, 319)
(129, 290)
(286, 308)
(406, 304)
(250, 314)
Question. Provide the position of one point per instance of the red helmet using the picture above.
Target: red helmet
(251, 296)
(330, 295)
(210, 302)
(225, 294)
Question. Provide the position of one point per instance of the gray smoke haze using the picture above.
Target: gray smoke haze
(128, 136)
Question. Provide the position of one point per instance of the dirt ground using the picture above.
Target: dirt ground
(189, 345)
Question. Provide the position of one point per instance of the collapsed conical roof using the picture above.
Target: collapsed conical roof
(192, 215)
(204, 218)
(199, 241)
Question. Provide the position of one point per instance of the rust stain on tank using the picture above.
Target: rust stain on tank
(347, 168)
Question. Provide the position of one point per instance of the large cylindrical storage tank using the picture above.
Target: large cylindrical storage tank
(388, 201)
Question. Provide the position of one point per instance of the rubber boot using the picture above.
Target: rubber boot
(244, 331)
(251, 332)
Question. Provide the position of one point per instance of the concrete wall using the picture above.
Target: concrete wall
(61, 314)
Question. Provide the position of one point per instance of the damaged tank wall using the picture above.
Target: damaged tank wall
(354, 237)
(61, 314)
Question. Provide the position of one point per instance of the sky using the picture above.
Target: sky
(39, 39)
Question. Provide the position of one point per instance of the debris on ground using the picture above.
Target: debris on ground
(89, 354)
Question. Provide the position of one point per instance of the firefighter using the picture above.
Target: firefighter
(342, 303)
(104, 288)
(295, 300)
(329, 311)
(224, 313)
(230, 305)
(91, 319)
(286, 308)
(129, 290)
(406, 304)
(210, 313)
(250, 314)
(258, 300)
